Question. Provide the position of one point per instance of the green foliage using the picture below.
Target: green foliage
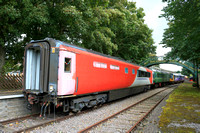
(194, 84)
(186, 72)
(114, 27)
(183, 32)
(178, 71)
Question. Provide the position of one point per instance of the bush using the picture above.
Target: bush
(194, 84)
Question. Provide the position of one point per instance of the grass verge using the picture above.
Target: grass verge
(182, 111)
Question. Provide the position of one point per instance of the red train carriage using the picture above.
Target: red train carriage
(72, 77)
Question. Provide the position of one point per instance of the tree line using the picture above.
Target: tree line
(114, 27)
(183, 34)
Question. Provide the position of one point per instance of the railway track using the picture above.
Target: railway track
(17, 119)
(128, 119)
(43, 123)
(21, 124)
(31, 122)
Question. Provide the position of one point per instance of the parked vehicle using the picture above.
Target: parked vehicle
(178, 78)
(71, 77)
(162, 78)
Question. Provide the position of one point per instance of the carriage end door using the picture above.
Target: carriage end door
(66, 73)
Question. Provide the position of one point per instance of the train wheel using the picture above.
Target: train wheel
(156, 85)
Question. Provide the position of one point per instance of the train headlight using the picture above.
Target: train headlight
(51, 88)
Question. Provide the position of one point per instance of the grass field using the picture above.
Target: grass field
(182, 111)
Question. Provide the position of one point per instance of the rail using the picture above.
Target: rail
(109, 119)
(44, 122)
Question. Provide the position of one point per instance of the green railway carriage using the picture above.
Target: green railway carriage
(160, 78)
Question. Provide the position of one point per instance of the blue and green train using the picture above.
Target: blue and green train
(162, 78)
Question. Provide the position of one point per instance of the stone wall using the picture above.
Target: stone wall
(13, 108)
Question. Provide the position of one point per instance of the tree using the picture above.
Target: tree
(186, 72)
(114, 27)
(183, 32)
(134, 38)
(37, 20)
(117, 28)
(178, 71)
(9, 34)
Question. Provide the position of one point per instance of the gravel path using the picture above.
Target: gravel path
(123, 121)
(75, 124)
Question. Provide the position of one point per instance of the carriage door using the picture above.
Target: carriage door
(66, 73)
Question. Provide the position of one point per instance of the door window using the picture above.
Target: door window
(67, 67)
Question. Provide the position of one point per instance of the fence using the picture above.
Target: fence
(10, 83)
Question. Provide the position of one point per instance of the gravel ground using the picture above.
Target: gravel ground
(82, 121)
(126, 119)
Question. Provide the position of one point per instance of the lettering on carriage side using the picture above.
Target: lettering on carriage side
(99, 65)
(114, 67)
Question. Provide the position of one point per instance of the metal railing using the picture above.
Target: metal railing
(161, 59)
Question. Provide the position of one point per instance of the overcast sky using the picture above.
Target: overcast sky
(152, 9)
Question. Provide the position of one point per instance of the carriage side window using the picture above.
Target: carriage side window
(143, 74)
(171, 76)
(67, 67)
(154, 74)
(133, 71)
(148, 74)
(126, 70)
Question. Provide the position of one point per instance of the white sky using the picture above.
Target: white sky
(152, 9)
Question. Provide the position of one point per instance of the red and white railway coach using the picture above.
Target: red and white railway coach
(72, 77)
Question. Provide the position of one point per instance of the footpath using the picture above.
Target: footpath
(182, 110)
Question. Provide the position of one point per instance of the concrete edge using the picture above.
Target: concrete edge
(11, 96)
